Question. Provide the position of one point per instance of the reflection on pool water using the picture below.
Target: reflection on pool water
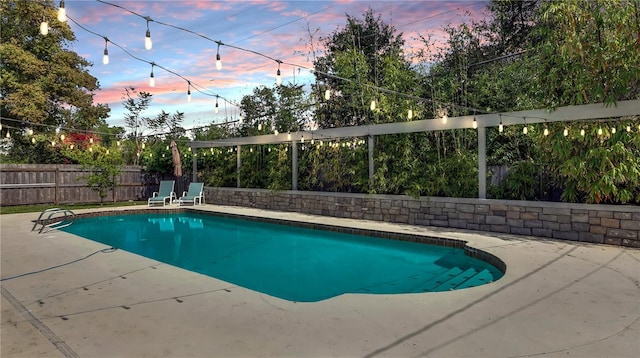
(292, 263)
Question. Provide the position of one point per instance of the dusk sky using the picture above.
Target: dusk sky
(277, 29)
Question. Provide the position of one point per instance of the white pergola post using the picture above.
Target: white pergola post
(238, 165)
(294, 165)
(482, 163)
(371, 142)
(194, 174)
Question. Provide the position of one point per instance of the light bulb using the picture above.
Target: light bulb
(373, 104)
(148, 44)
(44, 27)
(143, 145)
(444, 119)
(613, 130)
(628, 128)
(600, 131)
(189, 95)
(152, 80)
(525, 130)
(33, 140)
(278, 78)
(582, 132)
(259, 126)
(105, 57)
(8, 135)
(30, 131)
(410, 114)
(90, 139)
(107, 151)
(275, 132)
(302, 139)
(500, 127)
(218, 61)
(475, 123)
(546, 132)
(62, 137)
(288, 136)
(217, 109)
(62, 12)
(71, 146)
(327, 94)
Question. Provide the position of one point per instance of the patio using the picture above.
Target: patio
(557, 298)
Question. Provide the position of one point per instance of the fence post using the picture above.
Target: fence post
(56, 194)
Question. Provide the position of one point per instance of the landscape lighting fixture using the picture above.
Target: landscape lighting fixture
(105, 57)
(62, 12)
(148, 44)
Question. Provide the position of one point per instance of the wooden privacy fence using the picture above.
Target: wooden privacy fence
(23, 184)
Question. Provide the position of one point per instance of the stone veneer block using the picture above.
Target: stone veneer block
(612, 223)
(556, 211)
(630, 225)
(624, 234)
(466, 208)
(589, 237)
(495, 220)
(529, 216)
(622, 216)
(595, 229)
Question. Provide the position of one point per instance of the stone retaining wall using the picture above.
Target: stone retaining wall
(608, 224)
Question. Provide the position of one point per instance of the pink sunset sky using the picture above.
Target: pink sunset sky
(278, 29)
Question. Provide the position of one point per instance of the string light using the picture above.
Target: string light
(444, 119)
(259, 126)
(475, 123)
(525, 129)
(218, 60)
(30, 131)
(275, 132)
(289, 136)
(278, 75)
(90, 139)
(8, 134)
(500, 126)
(546, 130)
(188, 91)
(148, 44)
(44, 25)
(327, 94)
(302, 139)
(105, 57)
(566, 132)
(62, 12)
(613, 130)
(217, 108)
(33, 140)
(118, 143)
(599, 130)
(628, 128)
(72, 146)
(410, 114)
(373, 104)
(62, 137)
(152, 80)
(582, 132)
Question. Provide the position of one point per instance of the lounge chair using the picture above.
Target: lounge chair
(165, 192)
(193, 196)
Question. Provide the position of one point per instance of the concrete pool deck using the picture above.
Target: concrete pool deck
(557, 298)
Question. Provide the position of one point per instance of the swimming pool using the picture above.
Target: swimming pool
(289, 262)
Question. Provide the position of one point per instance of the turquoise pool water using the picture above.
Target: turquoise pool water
(292, 263)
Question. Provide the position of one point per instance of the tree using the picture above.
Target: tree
(42, 81)
(104, 165)
(135, 103)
